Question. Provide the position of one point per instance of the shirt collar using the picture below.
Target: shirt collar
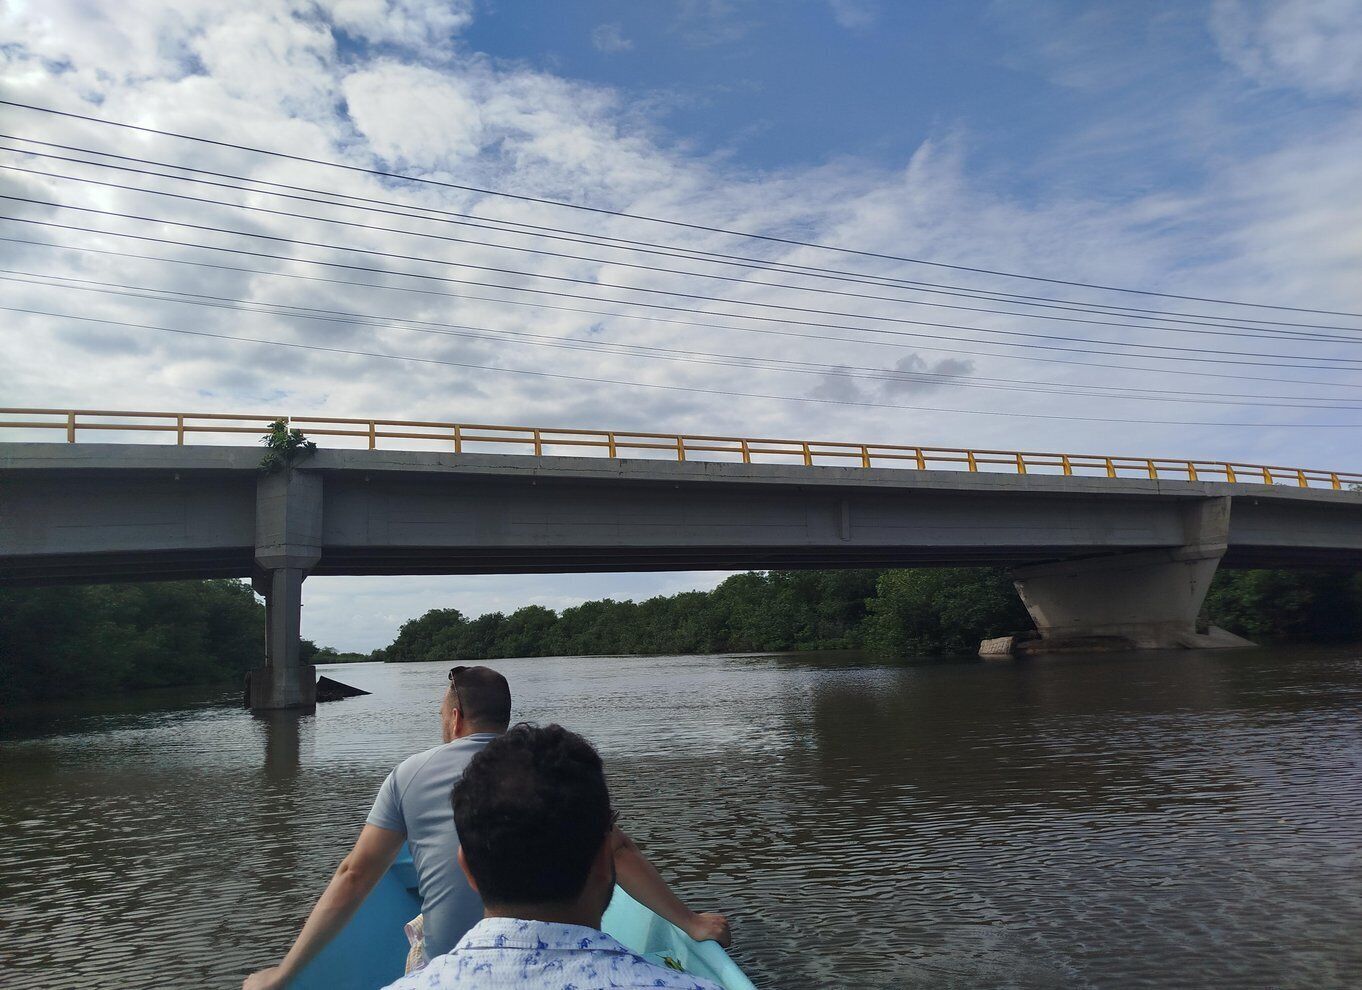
(473, 739)
(516, 933)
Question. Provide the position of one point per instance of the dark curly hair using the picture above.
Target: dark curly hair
(532, 810)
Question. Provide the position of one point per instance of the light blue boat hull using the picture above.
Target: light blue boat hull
(636, 927)
(371, 951)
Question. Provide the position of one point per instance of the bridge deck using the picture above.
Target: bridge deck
(90, 512)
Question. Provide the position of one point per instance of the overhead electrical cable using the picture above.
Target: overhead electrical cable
(1276, 363)
(682, 224)
(1221, 329)
(859, 373)
(393, 255)
(689, 389)
(765, 331)
(430, 214)
(691, 254)
(540, 232)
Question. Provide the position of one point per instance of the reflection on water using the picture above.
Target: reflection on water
(1164, 820)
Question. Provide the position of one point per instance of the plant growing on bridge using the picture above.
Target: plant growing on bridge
(283, 447)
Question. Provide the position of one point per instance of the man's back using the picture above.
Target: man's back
(414, 800)
(501, 953)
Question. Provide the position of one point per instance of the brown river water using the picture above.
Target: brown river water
(1163, 820)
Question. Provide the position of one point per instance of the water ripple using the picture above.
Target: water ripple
(1180, 820)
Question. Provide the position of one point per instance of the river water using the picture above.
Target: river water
(1190, 819)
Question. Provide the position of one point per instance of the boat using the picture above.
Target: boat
(371, 950)
(661, 942)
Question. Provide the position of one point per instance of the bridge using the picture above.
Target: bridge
(1099, 545)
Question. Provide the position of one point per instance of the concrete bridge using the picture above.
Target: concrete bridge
(1093, 556)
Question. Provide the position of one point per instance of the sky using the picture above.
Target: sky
(1203, 149)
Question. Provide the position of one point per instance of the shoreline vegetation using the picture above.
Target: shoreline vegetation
(86, 641)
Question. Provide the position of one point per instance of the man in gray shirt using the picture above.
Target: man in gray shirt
(413, 806)
(414, 801)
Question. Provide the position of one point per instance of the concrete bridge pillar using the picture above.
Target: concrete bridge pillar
(1142, 600)
(288, 530)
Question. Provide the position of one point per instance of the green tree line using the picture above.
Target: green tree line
(82, 641)
(73, 641)
(919, 612)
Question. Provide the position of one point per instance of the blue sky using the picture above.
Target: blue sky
(1203, 148)
(775, 86)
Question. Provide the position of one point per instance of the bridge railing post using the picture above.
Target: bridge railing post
(900, 456)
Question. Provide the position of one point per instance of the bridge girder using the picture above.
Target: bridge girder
(90, 513)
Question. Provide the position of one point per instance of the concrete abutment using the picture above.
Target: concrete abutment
(1147, 599)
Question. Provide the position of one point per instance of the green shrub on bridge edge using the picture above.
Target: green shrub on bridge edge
(284, 447)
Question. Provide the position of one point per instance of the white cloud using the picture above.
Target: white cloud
(610, 38)
(269, 58)
(855, 15)
(1313, 45)
(706, 23)
(426, 26)
(1276, 220)
(414, 115)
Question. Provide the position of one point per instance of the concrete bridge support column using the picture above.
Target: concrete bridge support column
(288, 525)
(1144, 600)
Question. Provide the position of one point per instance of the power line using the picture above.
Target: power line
(1028, 358)
(433, 215)
(769, 238)
(689, 389)
(520, 228)
(859, 373)
(1276, 364)
(590, 282)
(1221, 329)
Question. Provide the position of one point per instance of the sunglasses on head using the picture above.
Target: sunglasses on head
(454, 685)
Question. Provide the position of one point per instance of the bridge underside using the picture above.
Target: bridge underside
(181, 565)
(110, 568)
(118, 513)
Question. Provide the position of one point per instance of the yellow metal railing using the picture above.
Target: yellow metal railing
(461, 437)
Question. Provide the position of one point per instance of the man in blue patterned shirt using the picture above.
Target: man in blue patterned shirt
(537, 843)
